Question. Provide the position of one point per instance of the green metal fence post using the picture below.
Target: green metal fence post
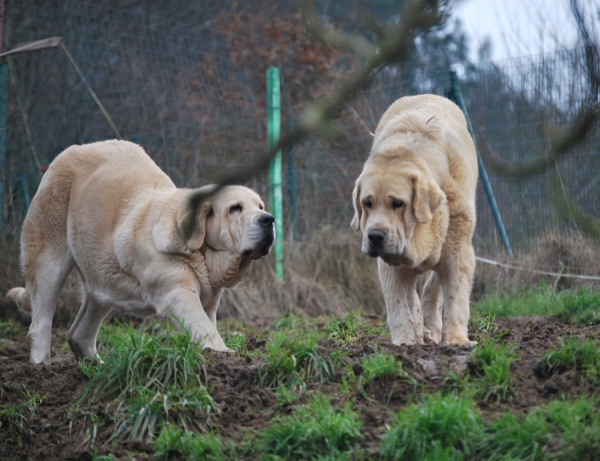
(3, 99)
(455, 95)
(275, 193)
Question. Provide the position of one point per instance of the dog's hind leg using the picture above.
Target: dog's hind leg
(52, 266)
(432, 304)
(84, 331)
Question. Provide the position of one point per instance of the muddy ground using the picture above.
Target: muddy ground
(52, 431)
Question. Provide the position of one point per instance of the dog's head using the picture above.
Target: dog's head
(234, 219)
(391, 198)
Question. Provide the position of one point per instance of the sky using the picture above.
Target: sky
(523, 27)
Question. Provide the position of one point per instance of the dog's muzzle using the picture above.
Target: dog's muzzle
(267, 223)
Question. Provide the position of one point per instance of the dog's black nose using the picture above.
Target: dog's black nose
(376, 237)
(266, 219)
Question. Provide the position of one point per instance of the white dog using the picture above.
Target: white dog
(415, 204)
(107, 210)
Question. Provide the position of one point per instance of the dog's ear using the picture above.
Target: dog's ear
(428, 198)
(355, 224)
(191, 221)
(192, 225)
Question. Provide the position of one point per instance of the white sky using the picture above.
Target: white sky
(523, 27)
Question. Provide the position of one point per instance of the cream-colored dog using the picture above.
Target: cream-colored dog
(139, 244)
(415, 204)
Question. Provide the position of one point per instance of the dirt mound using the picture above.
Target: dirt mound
(50, 429)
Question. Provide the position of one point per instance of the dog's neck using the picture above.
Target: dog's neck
(225, 269)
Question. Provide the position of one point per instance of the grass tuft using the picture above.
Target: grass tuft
(441, 427)
(379, 365)
(292, 360)
(581, 306)
(490, 365)
(148, 379)
(574, 354)
(312, 431)
(176, 442)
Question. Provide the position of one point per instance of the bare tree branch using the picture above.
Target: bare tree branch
(394, 45)
(582, 124)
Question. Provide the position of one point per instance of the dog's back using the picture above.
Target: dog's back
(82, 182)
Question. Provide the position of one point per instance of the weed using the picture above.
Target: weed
(510, 437)
(151, 378)
(490, 363)
(288, 322)
(441, 427)
(482, 326)
(188, 445)
(378, 365)
(15, 414)
(575, 307)
(577, 426)
(312, 430)
(11, 329)
(574, 354)
(537, 301)
(347, 330)
(285, 397)
(292, 360)
(580, 307)
(236, 341)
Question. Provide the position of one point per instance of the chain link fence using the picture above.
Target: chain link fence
(194, 97)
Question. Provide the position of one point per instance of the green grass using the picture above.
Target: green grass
(347, 330)
(174, 441)
(18, 412)
(440, 428)
(11, 329)
(315, 430)
(574, 354)
(293, 360)
(490, 371)
(150, 378)
(378, 365)
(580, 306)
(452, 428)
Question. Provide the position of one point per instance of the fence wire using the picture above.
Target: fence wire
(194, 97)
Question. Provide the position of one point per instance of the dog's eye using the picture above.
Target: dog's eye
(397, 204)
(235, 209)
(368, 204)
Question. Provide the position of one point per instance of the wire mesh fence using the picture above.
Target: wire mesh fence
(194, 98)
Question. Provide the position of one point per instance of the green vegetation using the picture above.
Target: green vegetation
(150, 379)
(347, 330)
(581, 306)
(378, 365)
(574, 354)
(188, 445)
(11, 329)
(153, 387)
(490, 365)
(440, 428)
(16, 413)
(292, 360)
(575, 307)
(313, 430)
(451, 428)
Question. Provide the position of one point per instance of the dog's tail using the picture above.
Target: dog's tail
(21, 297)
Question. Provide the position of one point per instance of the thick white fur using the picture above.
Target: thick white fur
(109, 212)
(415, 204)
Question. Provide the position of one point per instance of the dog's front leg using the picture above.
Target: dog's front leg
(457, 280)
(183, 305)
(399, 285)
